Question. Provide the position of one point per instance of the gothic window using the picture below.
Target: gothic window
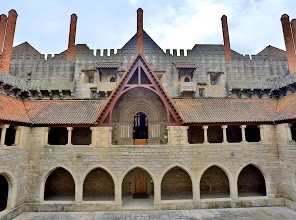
(186, 79)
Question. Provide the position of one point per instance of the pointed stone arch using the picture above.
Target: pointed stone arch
(176, 184)
(98, 185)
(251, 182)
(214, 183)
(133, 79)
(7, 191)
(58, 184)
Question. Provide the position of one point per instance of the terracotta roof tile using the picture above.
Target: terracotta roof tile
(226, 110)
(12, 109)
(64, 111)
(108, 65)
(286, 108)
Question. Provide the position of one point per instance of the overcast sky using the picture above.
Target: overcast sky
(253, 24)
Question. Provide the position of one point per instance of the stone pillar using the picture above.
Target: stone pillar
(17, 135)
(118, 194)
(289, 132)
(69, 135)
(287, 31)
(71, 52)
(293, 26)
(3, 134)
(243, 127)
(3, 21)
(227, 50)
(205, 129)
(224, 127)
(140, 32)
(261, 127)
(46, 135)
(8, 41)
(78, 192)
(157, 195)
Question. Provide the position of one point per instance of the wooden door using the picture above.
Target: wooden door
(140, 183)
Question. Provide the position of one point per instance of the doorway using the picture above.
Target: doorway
(140, 129)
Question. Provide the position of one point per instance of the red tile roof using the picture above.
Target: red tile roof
(12, 109)
(218, 110)
(63, 111)
(286, 108)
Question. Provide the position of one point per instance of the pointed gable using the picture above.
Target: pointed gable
(139, 75)
(25, 49)
(272, 52)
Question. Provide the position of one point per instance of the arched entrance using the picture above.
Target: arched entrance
(137, 188)
(98, 186)
(214, 183)
(251, 182)
(4, 188)
(59, 186)
(176, 184)
(140, 128)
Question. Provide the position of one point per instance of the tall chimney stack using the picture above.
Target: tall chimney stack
(140, 32)
(227, 50)
(71, 52)
(293, 26)
(8, 41)
(287, 31)
(3, 21)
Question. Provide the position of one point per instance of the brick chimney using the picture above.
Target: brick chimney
(3, 21)
(287, 31)
(227, 50)
(71, 52)
(8, 41)
(293, 25)
(140, 31)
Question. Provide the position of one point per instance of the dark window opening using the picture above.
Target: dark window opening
(252, 133)
(140, 130)
(81, 136)
(59, 186)
(91, 79)
(10, 136)
(215, 134)
(201, 92)
(4, 188)
(234, 133)
(186, 79)
(214, 183)
(98, 186)
(251, 182)
(144, 78)
(135, 78)
(195, 135)
(176, 184)
(112, 79)
(293, 131)
(58, 136)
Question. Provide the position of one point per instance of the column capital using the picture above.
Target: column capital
(5, 126)
(224, 126)
(69, 128)
(205, 127)
(243, 126)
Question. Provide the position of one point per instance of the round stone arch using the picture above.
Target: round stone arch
(231, 182)
(12, 188)
(46, 175)
(172, 194)
(265, 176)
(108, 172)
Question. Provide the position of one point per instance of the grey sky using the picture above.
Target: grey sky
(253, 24)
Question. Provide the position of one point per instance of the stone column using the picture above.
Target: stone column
(205, 129)
(289, 132)
(224, 127)
(118, 194)
(243, 127)
(69, 135)
(46, 135)
(78, 192)
(3, 134)
(17, 136)
(261, 127)
(157, 195)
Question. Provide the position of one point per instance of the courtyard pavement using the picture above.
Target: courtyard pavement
(260, 213)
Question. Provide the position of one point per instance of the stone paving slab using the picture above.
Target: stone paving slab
(260, 213)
